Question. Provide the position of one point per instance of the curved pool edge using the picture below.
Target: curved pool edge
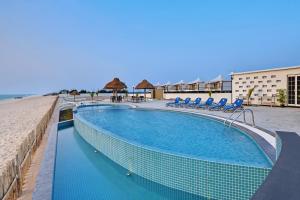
(201, 177)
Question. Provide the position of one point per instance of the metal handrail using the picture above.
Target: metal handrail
(242, 111)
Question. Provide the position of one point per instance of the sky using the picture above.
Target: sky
(46, 45)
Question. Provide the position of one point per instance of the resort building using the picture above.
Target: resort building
(267, 83)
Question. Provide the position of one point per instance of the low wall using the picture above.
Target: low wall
(200, 177)
(12, 178)
(204, 96)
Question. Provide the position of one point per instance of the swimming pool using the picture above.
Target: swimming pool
(178, 133)
(180, 151)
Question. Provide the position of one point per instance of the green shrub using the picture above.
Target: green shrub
(281, 96)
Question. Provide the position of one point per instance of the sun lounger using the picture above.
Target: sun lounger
(185, 102)
(174, 103)
(218, 106)
(234, 106)
(208, 103)
(195, 103)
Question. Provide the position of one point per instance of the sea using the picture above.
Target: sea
(12, 96)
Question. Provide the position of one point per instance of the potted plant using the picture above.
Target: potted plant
(250, 91)
(209, 93)
(281, 97)
(92, 95)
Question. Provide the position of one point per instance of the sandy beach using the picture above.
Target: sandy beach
(22, 124)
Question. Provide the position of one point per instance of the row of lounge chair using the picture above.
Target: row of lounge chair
(208, 104)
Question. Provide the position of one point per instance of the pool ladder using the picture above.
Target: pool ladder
(239, 113)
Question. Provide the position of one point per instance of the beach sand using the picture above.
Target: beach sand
(22, 124)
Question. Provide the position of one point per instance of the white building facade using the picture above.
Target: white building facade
(267, 83)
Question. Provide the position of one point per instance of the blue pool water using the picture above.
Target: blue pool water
(177, 133)
(80, 173)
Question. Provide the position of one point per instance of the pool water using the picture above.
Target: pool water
(177, 133)
(82, 173)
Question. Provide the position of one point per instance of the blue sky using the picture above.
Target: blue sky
(50, 45)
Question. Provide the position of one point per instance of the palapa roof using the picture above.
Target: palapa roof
(115, 84)
(74, 92)
(144, 85)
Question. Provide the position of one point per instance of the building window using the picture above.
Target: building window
(255, 85)
(251, 81)
(247, 78)
(255, 77)
(237, 91)
(273, 85)
(260, 90)
(264, 95)
(248, 86)
(259, 81)
(273, 76)
(251, 99)
(244, 90)
(241, 86)
(278, 81)
(240, 78)
(264, 86)
(269, 90)
(264, 77)
(236, 82)
(269, 81)
(244, 82)
(256, 95)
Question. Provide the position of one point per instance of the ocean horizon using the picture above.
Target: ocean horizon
(12, 96)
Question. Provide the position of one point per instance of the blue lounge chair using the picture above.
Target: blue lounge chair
(185, 102)
(234, 106)
(174, 103)
(195, 103)
(208, 103)
(218, 106)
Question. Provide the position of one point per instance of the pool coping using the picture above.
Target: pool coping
(44, 183)
(283, 181)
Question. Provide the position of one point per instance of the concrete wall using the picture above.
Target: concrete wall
(204, 96)
(12, 178)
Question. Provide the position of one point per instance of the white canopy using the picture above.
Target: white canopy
(167, 83)
(196, 81)
(157, 84)
(181, 82)
(217, 79)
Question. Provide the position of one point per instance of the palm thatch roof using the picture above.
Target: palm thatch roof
(115, 84)
(74, 92)
(144, 85)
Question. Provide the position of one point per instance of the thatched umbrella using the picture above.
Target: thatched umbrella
(144, 85)
(74, 93)
(115, 85)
